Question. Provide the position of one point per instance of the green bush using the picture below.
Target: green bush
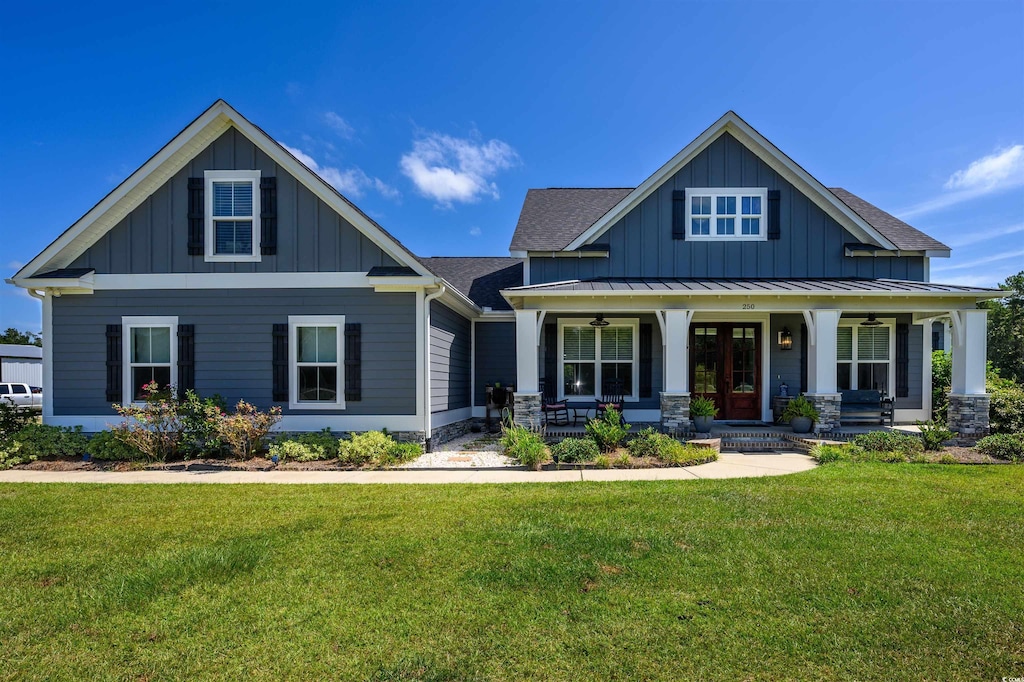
(41, 440)
(525, 445)
(947, 458)
(106, 446)
(1006, 409)
(376, 449)
(1009, 446)
(677, 454)
(608, 430)
(603, 462)
(934, 433)
(12, 419)
(305, 447)
(647, 443)
(623, 461)
(826, 454)
(942, 378)
(904, 444)
(575, 450)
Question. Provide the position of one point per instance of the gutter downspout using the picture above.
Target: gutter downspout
(426, 365)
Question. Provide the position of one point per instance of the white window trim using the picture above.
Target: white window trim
(129, 323)
(612, 322)
(211, 176)
(890, 324)
(739, 193)
(294, 322)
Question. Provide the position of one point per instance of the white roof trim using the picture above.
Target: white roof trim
(127, 196)
(768, 152)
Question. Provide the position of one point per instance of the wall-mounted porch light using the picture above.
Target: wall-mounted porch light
(871, 321)
(786, 339)
(599, 321)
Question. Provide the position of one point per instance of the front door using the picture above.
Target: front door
(725, 365)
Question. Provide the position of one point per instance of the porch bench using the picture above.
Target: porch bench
(865, 407)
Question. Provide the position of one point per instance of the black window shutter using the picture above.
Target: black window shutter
(186, 359)
(803, 358)
(353, 362)
(550, 361)
(114, 376)
(646, 360)
(902, 360)
(268, 216)
(196, 211)
(679, 214)
(280, 363)
(774, 216)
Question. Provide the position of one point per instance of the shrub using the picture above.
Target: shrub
(305, 447)
(200, 421)
(41, 440)
(623, 461)
(1008, 446)
(947, 458)
(603, 462)
(942, 378)
(608, 430)
(903, 444)
(1006, 407)
(826, 454)
(677, 454)
(934, 434)
(153, 428)
(646, 443)
(525, 445)
(376, 448)
(12, 419)
(575, 450)
(105, 445)
(245, 431)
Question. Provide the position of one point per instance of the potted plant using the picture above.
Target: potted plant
(703, 412)
(800, 414)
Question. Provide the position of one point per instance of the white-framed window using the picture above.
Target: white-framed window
(591, 356)
(723, 213)
(316, 360)
(150, 352)
(232, 215)
(865, 357)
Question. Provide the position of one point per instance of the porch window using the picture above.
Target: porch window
(726, 213)
(593, 356)
(151, 353)
(316, 351)
(864, 357)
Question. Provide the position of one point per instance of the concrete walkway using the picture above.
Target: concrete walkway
(728, 466)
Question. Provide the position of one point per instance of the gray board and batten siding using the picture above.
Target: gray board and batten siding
(234, 343)
(450, 348)
(811, 243)
(495, 353)
(311, 236)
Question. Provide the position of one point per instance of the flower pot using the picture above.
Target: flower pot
(499, 396)
(703, 424)
(801, 424)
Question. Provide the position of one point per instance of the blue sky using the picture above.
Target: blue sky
(435, 118)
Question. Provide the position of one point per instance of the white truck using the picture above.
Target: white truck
(22, 396)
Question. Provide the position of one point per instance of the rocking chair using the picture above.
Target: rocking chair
(612, 394)
(554, 412)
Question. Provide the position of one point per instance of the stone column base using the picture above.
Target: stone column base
(527, 410)
(968, 414)
(828, 406)
(675, 412)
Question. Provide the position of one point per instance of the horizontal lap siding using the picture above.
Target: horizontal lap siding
(785, 364)
(449, 359)
(311, 237)
(495, 357)
(641, 245)
(233, 343)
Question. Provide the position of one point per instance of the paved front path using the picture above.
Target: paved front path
(728, 466)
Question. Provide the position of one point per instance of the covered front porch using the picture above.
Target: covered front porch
(747, 345)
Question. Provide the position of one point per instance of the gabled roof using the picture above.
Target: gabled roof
(895, 230)
(758, 144)
(553, 217)
(480, 279)
(171, 158)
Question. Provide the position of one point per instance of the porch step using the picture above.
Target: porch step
(761, 442)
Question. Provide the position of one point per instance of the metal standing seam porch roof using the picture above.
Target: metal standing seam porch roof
(661, 285)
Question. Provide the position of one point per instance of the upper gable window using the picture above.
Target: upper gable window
(232, 208)
(726, 213)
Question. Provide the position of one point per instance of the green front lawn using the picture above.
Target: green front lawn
(845, 572)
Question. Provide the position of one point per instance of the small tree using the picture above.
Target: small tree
(20, 338)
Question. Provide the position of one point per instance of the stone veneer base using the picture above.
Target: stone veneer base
(527, 410)
(968, 414)
(828, 406)
(675, 412)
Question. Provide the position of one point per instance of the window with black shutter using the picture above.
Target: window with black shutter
(268, 216)
(353, 361)
(115, 377)
(186, 359)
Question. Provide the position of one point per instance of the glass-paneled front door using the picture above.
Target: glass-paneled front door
(725, 365)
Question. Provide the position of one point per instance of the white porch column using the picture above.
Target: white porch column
(677, 356)
(822, 375)
(527, 375)
(968, 409)
(970, 347)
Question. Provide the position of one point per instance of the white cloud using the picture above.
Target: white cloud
(968, 237)
(475, 231)
(1000, 170)
(980, 261)
(339, 125)
(451, 169)
(352, 182)
(15, 265)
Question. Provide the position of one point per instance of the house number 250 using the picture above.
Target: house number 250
(748, 306)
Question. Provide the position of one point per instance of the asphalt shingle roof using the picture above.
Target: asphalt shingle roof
(479, 278)
(552, 218)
